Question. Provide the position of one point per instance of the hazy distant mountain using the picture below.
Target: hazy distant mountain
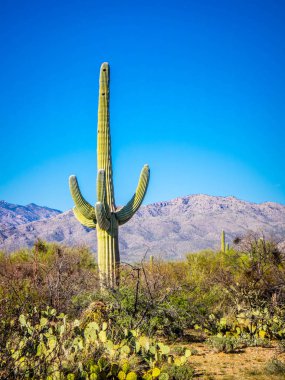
(168, 229)
(11, 216)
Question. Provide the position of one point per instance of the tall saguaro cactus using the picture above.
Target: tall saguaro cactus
(105, 216)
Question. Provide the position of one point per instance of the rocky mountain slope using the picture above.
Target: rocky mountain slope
(12, 216)
(167, 229)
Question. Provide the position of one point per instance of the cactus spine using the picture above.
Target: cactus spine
(105, 216)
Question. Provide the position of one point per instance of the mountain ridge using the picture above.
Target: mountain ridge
(13, 215)
(167, 228)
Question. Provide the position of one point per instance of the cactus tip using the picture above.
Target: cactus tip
(104, 66)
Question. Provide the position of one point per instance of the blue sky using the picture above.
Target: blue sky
(197, 92)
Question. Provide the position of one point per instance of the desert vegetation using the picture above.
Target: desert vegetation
(57, 323)
(66, 316)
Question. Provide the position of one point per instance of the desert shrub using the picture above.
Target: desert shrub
(227, 344)
(158, 299)
(152, 298)
(144, 301)
(275, 367)
(249, 285)
(173, 372)
(209, 295)
(189, 298)
(281, 346)
(253, 276)
(253, 341)
(47, 275)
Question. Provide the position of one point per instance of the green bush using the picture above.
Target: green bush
(227, 344)
(249, 294)
(153, 302)
(281, 346)
(275, 367)
(174, 372)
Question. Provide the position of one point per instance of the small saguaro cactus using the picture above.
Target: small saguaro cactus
(223, 241)
(105, 216)
(225, 247)
(151, 261)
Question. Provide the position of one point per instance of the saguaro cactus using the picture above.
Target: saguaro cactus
(223, 241)
(105, 216)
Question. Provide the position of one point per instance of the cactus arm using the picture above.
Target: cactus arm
(101, 186)
(101, 192)
(86, 222)
(126, 212)
(81, 204)
(101, 216)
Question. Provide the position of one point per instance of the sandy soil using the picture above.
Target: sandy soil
(247, 364)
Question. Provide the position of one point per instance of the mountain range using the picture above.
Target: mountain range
(167, 229)
(12, 216)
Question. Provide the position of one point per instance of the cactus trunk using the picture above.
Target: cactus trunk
(107, 238)
(108, 254)
(105, 216)
(104, 160)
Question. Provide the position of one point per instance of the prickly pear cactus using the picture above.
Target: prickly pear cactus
(105, 216)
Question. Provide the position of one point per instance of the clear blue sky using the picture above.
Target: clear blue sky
(197, 92)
